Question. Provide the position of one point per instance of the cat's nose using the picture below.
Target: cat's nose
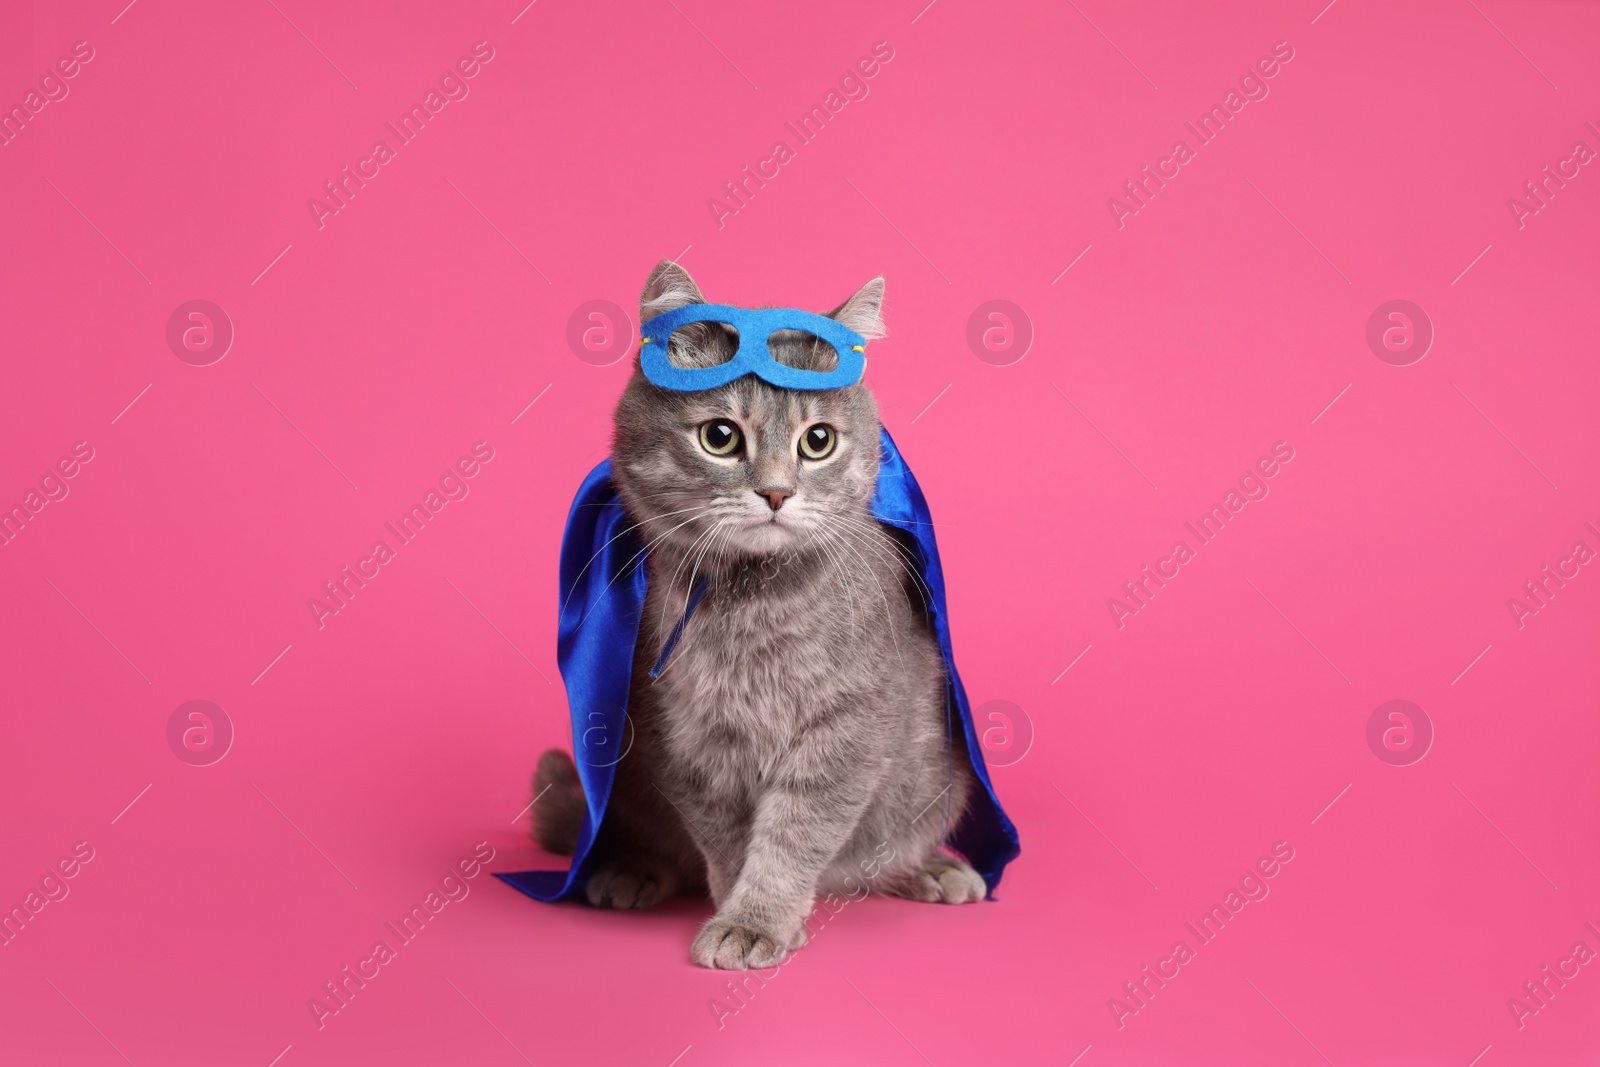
(775, 497)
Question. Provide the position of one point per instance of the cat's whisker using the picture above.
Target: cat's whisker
(698, 556)
(838, 527)
(908, 563)
(684, 558)
(709, 540)
(723, 529)
(637, 555)
(837, 566)
(833, 538)
(883, 546)
(602, 548)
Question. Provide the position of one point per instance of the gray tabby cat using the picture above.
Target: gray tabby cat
(797, 738)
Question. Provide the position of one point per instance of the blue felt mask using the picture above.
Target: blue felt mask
(755, 326)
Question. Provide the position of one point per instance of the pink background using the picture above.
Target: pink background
(425, 316)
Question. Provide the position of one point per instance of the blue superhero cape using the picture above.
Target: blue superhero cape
(603, 585)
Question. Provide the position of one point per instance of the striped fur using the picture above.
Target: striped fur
(797, 743)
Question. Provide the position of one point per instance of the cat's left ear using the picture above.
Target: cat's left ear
(863, 312)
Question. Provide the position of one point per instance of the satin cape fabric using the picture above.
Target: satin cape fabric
(603, 585)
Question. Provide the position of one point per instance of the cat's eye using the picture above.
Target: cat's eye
(818, 441)
(719, 437)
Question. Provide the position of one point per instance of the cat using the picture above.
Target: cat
(797, 742)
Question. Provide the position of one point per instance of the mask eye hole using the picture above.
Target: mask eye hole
(702, 344)
(720, 437)
(818, 441)
(802, 351)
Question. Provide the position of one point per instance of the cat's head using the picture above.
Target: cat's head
(748, 470)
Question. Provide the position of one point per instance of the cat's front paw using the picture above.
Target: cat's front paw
(729, 945)
(942, 880)
(623, 888)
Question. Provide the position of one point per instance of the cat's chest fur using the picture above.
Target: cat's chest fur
(758, 663)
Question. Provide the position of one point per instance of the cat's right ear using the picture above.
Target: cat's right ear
(668, 288)
(863, 312)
